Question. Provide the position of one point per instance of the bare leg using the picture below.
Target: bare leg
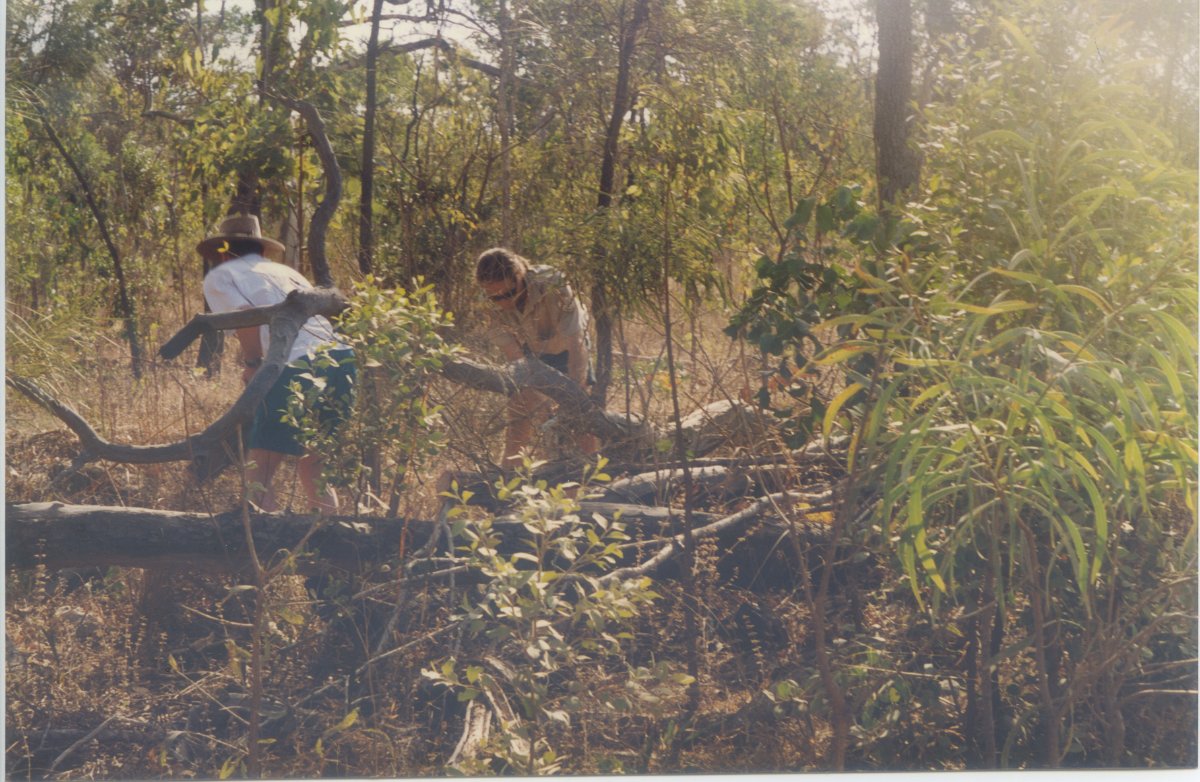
(519, 434)
(260, 475)
(588, 444)
(309, 470)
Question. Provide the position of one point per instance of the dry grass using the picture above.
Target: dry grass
(158, 659)
(155, 657)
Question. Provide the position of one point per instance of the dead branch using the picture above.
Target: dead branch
(285, 320)
(207, 450)
(646, 486)
(733, 522)
(80, 742)
(179, 119)
(575, 404)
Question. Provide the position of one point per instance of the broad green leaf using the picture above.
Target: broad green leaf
(910, 361)
(1079, 556)
(1020, 39)
(934, 391)
(1029, 277)
(1168, 370)
(1079, 350)
(1185, 340)
(867, 277)
(1005, 136)
(1101, 521)
(346, 722)
(801, 216)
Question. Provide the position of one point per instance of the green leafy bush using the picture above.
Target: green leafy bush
(398, 343)
(548, 609)
(1024, 422)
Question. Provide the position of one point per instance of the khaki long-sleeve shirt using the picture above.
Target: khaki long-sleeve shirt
(552, 321)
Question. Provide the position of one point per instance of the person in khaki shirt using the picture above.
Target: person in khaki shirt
(534, 312)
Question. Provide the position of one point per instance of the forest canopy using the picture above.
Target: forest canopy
(933, 261)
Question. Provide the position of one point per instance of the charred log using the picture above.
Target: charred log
(57, 536)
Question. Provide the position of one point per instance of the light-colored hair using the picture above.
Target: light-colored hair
(499, 264)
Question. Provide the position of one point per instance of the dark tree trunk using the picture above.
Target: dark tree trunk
(125, 303)
(897, 166)
(247, 196)
(504, 119)
(366, 220)
(622, 103)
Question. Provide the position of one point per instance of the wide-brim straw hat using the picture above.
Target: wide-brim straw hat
(239, 227)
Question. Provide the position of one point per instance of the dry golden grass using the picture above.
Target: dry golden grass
(160, 656)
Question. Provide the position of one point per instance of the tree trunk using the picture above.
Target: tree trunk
(622, 103)
(125, 302)
(333, 189)
(940, 25)
(247, 197)
(897, 166)
(366, 220)
(503, 119)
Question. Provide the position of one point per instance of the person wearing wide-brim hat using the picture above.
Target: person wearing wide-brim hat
(246, 274)
(236, 228)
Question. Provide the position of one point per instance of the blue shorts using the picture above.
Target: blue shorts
(269, 432)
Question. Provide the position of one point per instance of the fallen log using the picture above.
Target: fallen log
(57, 536)
(60, 536)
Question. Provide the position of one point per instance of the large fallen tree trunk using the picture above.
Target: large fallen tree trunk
(55, 535)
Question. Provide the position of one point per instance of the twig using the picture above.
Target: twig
(1143, 693)
(673, 546)
(88, 737)
(358, 671)
(217, 619)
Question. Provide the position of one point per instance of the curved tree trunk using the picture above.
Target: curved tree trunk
(333, 189)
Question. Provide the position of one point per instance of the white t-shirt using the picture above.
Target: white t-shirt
(254, 281)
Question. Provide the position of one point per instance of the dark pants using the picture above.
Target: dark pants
(559, 361)
(269, 432)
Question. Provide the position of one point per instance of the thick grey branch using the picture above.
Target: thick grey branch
(285, 321)
(530, 373)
